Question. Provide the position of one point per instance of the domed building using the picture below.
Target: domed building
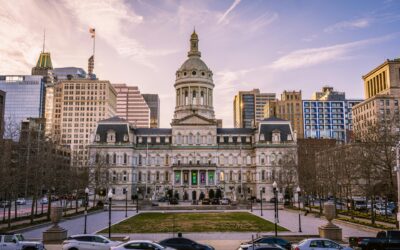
(194, 158)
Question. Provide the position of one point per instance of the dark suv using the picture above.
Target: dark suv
(184, 244)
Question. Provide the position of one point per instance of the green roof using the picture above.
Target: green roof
(44, 61)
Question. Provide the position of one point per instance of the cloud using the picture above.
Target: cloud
(114, 20)
(313, 56)
(353, 24)
(262, 21)
(229, 10)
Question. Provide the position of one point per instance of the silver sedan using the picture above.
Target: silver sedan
(141, 245)
(319, 244)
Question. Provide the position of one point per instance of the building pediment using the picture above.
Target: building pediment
(193, 119)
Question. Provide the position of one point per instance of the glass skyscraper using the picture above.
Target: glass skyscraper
(25, 98)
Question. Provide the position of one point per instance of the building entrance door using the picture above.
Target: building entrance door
(194, 195)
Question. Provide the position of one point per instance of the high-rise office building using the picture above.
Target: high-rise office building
(248, 107)
(328, 115)
(289, 107)
(66, 73)
(382, 93)
(153, 101)
(131, 105)
(25, 98)
(78, 105)
(2, 106)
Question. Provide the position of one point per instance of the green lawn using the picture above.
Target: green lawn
(194, 222)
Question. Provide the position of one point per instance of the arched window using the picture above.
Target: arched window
(114, 176)
(186, 98)
(190, 141)
(221, 176)
(114, 158)
(107, 158)
(194, 100)
(125, 158)
(202, 98)
(97, 158)
(198, 138)
(140, 177)
(124, 176)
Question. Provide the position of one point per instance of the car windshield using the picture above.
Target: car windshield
(19, 237)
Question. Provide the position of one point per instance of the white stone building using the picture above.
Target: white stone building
(193, 156)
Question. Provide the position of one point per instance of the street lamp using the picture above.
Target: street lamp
(86, 204)
(251, 200)
(398, 181)
(298, 190)
(110, 195)
(261, 198)
(274, 186)
(137, 200)
(126, 202)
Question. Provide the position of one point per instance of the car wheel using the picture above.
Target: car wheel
(29, 248)
(73, 248)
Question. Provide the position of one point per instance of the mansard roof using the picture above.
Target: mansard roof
(120, 131)
(152, 131)
(234, 131)
(113, 119)
(268, 129)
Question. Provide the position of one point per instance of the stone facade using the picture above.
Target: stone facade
(194, 155)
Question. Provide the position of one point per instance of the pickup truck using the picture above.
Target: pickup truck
(385, 240)
(10, 241)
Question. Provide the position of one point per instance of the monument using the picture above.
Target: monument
(330, 230)
(55, 234)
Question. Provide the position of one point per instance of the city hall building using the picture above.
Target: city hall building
(194, 155)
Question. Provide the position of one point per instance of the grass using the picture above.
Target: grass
(194, 222)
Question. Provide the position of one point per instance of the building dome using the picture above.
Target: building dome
(194, 63)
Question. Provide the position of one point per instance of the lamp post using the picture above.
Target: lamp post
(298, 190)
(86, 204)
(126, 203)
(398, 181)
(274, 186)
(261, 198)
(251, 200)
(110, 195)
(137, 200)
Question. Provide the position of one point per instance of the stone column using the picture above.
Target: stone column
(181, 177)
(207, 177)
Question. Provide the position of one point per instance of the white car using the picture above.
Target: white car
(88, 242)
(44, 200)
(21, 201)
(225, 201)
(141, 245)
(319, 244)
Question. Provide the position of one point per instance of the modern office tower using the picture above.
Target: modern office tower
(131, 105)
(248, 108)
(382, 93)
(66, 73)
(328, 115)
(78, 105)
(25, 98)
(153, 101)
(2, 106)
(289, 107)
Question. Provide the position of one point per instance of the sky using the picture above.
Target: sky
(272, 45)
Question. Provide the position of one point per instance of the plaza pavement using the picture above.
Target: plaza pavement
(221, 241)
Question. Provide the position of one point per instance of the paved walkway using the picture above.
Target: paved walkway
(221, 241)
(95, 222)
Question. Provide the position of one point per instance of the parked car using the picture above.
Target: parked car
(162, 199)
(141, 244)
(206, 201)
(17, 241)
(184, 244)
(318, 243)
(5, 204)
(173, 201)
(215, 201)
(263, 247)
(384, 240)
(268, 240)
(21, 201)
(44, 200)
(225, 201)
(272, 200)
(88, 242)
(383, 211)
